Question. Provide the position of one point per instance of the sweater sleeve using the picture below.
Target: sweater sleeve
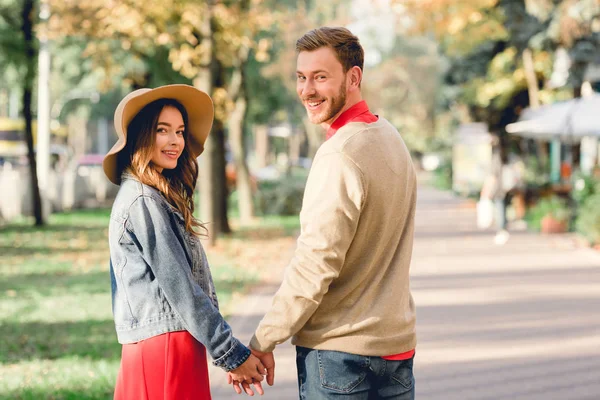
(331, 208)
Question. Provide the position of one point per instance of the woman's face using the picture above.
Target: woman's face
(169, 142)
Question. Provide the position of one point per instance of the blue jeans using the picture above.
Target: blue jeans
(500, 206)
(324, 374)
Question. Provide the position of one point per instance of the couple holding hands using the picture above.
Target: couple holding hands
(345, 298)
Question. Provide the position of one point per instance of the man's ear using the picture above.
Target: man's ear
(355, 77)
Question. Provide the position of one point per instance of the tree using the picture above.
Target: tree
(230, 31)
(208, 44)
(28, 21)
(22, 51)
(523, 34)
(497, 51)
(501, 53)
(574, 26)
(295, 19)
(237, 121)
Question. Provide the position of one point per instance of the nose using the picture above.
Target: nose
(173, 138)
(307, 88)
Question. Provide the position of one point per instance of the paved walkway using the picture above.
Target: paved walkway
(519, 321)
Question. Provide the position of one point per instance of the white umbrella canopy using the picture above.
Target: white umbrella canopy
(568, 120)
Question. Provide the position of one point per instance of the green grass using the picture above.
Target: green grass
(58, 338)
(270, 225)
(56, 329)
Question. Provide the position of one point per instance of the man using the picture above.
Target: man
(345, 297)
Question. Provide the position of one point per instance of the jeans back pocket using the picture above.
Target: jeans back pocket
(402, 372)
(342, 372)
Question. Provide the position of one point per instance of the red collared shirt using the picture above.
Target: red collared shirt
(357, 113)
(360, 113)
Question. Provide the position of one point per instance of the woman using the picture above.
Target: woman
(164, 302)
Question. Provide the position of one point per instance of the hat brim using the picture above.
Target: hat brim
(197, 104)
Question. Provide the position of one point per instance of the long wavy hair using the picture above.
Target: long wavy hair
(176, 185)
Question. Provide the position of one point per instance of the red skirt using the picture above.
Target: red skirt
(171, 366)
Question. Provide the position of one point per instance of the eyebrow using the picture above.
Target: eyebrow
(319, 71)
(169, 125)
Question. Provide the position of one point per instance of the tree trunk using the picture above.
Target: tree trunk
(237, 119)
(294, 144)
(204, 82)
(77, 134)
(531, 77)
(243, 183)
(261, 145)
(219, 177)
(4, 103)
(534, 99)
(212, 184)
(27, 29)
(213, 188)
(314, 134)
(206, 189)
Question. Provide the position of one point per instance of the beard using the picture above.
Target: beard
(333, 106)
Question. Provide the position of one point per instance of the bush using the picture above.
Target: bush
(588, 218)
(584, 186)
(586, 194)
(553, 206)
(442, 175)
(283, 196)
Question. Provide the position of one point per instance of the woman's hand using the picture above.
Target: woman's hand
(252, 371)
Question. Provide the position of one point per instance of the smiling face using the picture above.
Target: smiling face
(170, 141)
(321, 85)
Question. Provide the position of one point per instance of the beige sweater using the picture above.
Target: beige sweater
(347, 286)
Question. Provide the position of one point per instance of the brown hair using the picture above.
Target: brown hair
(346, 46)
(176, 185)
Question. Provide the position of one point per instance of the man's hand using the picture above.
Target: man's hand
(268, 361)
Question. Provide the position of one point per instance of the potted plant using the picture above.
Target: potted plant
(551, 215)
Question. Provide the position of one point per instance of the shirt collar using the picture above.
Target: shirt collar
(347, 116)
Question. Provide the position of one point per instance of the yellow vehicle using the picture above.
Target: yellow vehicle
(12, 138)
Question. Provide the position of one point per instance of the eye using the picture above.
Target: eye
(161, 130)
(180, 132)
(301, 78)
(321, 77)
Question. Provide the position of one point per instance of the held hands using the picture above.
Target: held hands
(266, 361)
(251, 371)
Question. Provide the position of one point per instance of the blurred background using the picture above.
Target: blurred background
(497, 101)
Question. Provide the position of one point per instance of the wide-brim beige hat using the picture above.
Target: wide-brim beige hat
(199, 108)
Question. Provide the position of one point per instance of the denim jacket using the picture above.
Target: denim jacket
(160, 277)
